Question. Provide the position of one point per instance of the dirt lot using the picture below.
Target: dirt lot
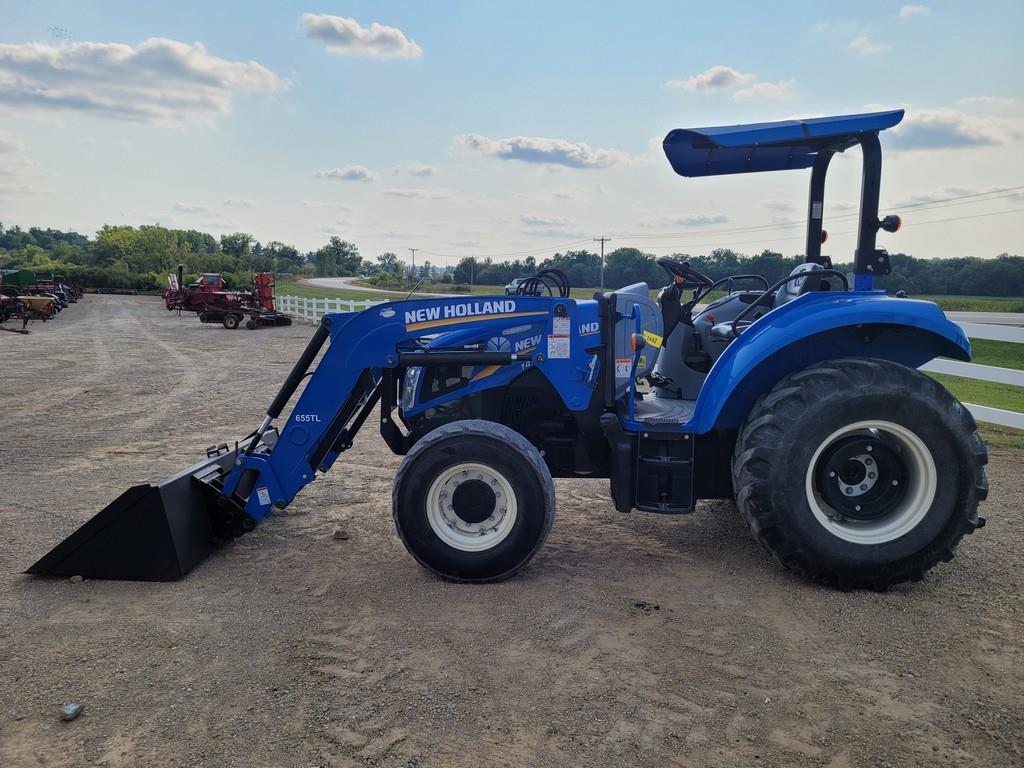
(631, 640)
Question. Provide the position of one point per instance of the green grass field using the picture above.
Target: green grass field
(1001, 353)
(1005, 396)
(976, 303)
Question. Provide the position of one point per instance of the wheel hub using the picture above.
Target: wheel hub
(473, 501)
(471, 507)
(862, 477)
(871, 482)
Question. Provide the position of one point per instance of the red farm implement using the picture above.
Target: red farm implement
(210, 298)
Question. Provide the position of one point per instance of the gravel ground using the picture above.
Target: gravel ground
(631, 640)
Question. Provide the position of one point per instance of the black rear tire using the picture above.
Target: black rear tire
(231, 321)
(473, 501)
(801, 472)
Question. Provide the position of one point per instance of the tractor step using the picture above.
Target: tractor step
(664, 473)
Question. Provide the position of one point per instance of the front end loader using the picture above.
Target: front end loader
(801, 400)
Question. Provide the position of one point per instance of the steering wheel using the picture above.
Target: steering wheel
(682, 269)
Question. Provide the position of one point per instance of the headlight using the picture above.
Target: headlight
(412, 380)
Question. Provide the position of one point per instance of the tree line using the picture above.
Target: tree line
(964, 276)
(140, 257)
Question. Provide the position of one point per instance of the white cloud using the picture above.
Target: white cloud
(347, 37)
(552, 152)
(562, 233)
(697, 220)
(721, 77)
(13, 156)
(909, 11)
(540, 220)
(779, 205)
(343, 230)
(418, 194)
(346, 173)
(951, 129)
(420, 169)
(191, 208)
(783, 89)
(943, 194)
(865, 47)
(989, 103)
(321, 204)
(158, 80)
(238, 202)
(713, 79)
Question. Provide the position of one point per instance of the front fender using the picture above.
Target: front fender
(821, 326)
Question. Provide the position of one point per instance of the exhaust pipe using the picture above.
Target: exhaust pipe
(155, 531)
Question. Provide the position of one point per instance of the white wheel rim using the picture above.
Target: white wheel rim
(458, 533)
(922, 481)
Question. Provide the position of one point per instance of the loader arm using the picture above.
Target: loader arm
(362, 365)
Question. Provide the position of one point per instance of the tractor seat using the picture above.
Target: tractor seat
(801, 285)
(725, 332)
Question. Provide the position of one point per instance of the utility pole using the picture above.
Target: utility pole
(413, 251)
(602, 240)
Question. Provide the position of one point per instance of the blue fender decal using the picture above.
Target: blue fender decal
(821, 326)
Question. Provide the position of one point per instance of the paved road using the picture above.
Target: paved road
(995, 318)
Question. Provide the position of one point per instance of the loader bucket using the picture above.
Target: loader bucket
(152, 532)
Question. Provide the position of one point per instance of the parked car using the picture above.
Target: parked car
(513, 286)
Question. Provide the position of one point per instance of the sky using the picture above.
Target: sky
(503, 129)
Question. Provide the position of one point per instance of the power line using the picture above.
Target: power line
(843, 232)
(931, 204)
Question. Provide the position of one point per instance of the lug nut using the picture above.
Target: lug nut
(849, 491)
(871, 475)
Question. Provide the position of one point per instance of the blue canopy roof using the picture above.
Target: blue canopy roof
(768, 146)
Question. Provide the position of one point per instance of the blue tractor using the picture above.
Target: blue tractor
(801, 400)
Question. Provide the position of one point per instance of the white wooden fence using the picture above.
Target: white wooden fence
(991, 373)
(311, 310)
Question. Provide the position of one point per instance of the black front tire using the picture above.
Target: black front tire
(231, 322)
(512, 462)
(799, 512)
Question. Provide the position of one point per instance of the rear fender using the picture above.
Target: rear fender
(822, 326)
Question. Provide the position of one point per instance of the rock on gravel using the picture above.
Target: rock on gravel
(71, 711)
